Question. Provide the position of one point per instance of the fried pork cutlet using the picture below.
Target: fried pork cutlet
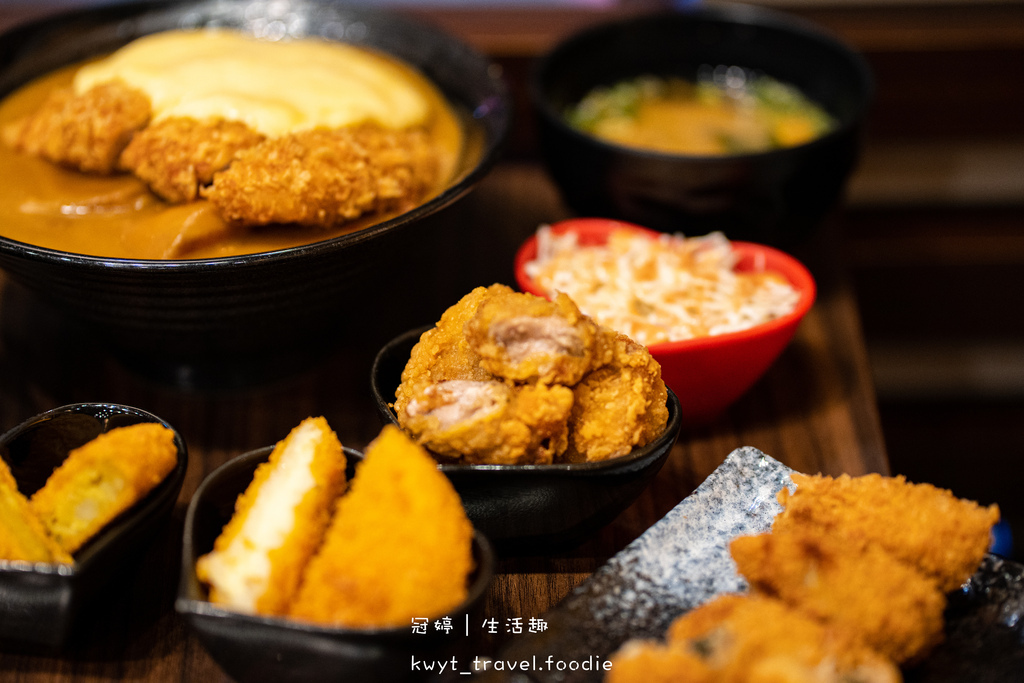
(22, 535)
(399, 546)
(325, 177)
(176, 156)
(258, 559)
(646, 661)
(891, 606)
(103, 478)
(943, 536)
(618, 406)
(87, 131)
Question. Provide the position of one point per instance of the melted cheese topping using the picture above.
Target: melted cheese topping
(273, 87)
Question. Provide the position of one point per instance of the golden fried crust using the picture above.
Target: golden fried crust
(945, 537)
(86, 131)
(102, 479)
(399, 546)
(653, 662)
(176, 156)
(325, 177)
(618, 406)
(22, 535)
(889, 605)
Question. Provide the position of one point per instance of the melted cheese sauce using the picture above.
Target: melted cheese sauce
(116, 216)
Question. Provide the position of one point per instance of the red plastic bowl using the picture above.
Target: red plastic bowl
(707, 373)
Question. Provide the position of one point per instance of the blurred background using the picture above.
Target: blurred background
(932, 226)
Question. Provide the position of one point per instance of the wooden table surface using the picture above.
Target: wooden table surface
(814, 410)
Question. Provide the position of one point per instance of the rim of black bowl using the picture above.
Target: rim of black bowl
(500, 113)
(190, 602)
(123, 523)
(731, 12)
(662, 442)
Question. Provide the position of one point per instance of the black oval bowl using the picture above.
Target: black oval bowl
(39, 603)
(259, 648)
(774, 197)
(528, 508)
(209, 311)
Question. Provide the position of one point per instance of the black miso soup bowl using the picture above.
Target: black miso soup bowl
(41, 605)
(254, 648)
(775, 197)
(174, 318)
(525, 509)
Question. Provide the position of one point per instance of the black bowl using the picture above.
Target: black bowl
(529, 508)
(39, 603)
(773, 197)
(209, 312)
(258, 648)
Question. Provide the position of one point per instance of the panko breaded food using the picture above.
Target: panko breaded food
(944, 536)
(889, 605)
(325, 177)
(101, 479)
(22, 536)
(648, 661)
(399, 546)
(279, 520)
(86, 131)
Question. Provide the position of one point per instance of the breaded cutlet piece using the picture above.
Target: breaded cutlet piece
(87, 131)
(101, 479)
(22, 535)
(177, 155)
(399, 546)
(889, 605)
(325, 177)
(647, 661)
(279, 521)
(619, 406)
(925, 526)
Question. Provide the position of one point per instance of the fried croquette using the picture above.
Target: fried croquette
(176, 156)
(325, 177)
(258, 559)
(618, 406)
(22, 536)
(86, 131)
(103, 478)
(399, 546)
(522, 337)
(889, 605)
(944, 536)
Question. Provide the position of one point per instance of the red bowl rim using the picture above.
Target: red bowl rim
(592, 230)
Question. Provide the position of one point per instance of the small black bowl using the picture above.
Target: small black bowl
(259, 648)
(176, 319)
(40, 602)
(527, 508)
(775, 197)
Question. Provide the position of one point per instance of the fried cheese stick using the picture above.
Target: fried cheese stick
(279, 520)
(22, 535)
(103, 478)
(399, 546)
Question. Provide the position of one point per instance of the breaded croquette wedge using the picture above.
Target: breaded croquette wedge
(399, 546)
(22, 535)
(944, 536)
(103, 478)
(891, 606)
(278, 523)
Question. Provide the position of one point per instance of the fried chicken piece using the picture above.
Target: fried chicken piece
(101, 479)
(279, 522)
(325, 177)
(891, 606)
(618, 406)
(177, 155)
(522, 337)
(399, 546)
(22, 535)
(645, 661)
(944, 536)
(87, 131)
